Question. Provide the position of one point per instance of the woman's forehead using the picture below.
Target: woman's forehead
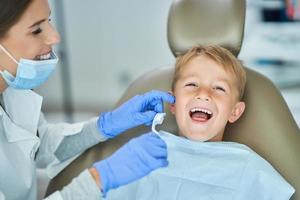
(37, 10)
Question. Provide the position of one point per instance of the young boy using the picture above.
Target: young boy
(208, 86)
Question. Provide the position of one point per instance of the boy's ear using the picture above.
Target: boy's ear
(172, 106)
(237, 111)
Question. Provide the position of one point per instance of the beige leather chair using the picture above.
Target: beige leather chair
(267, 125)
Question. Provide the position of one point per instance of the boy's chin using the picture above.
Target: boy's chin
(202, 138)
(196, 138)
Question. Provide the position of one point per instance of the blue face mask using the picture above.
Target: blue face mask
(30, 73)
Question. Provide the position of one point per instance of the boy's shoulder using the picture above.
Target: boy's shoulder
(214, 162)
(230, 155)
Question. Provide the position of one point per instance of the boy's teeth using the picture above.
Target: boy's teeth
(201, 110)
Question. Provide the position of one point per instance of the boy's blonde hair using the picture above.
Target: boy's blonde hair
(221, 56)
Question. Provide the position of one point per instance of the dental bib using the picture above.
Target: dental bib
(206, 171)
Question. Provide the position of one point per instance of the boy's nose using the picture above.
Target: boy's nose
(203, 94)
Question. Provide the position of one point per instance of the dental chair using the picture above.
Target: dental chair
(267, 125)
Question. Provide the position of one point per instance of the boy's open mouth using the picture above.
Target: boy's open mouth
(200, 114)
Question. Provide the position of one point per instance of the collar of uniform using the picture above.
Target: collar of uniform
(20, 114)
(13, 132)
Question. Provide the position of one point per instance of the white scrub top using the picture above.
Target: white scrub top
(22, 150)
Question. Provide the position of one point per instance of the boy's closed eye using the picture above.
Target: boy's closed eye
(220, 88)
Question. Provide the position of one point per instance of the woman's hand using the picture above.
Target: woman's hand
(138, 110)
(134, 160)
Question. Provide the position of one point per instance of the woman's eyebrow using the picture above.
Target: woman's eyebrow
(40, 21)
(37, 23)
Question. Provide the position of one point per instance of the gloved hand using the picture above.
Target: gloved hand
(138, 110)
(132, 161)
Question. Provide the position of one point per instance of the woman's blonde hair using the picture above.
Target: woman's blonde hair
(218, 54)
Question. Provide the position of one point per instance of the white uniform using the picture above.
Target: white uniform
(22, 150)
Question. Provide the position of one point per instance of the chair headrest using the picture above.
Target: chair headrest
(193, 22)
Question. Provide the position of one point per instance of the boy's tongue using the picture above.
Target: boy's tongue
(199, 116)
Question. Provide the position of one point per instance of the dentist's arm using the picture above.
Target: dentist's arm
(132, 161)
(138, 110)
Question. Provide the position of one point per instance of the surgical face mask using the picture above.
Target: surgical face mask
(30, 73)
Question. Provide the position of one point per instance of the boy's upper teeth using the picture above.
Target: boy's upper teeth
(201, 110)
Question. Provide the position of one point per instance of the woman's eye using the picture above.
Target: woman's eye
(220, 88)
(37, 31)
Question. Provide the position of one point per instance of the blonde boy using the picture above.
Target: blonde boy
(208, 85)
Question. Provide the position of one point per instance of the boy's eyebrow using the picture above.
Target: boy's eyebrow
(40, 21)
(187, 76)
(223, 80)
(226, 81)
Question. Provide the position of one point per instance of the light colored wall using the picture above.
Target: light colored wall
(110, 43)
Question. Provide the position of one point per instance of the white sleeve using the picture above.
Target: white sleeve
(55, 196)
(81, 187)
(2, 197)
(62, 143)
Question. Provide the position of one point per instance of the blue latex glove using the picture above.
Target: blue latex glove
(135, 159)
(138, 110)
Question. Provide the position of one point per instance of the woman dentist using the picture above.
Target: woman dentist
(27, 141)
